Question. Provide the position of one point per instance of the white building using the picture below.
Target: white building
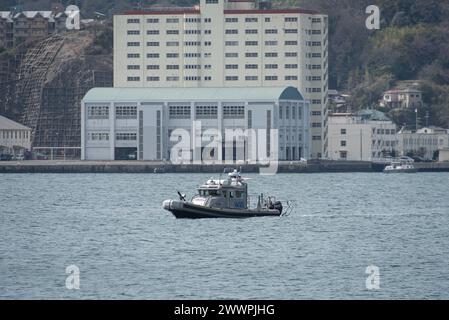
(424, 142)
(14, 137)
(364, 136)
(402, 99)
(118, 123)
(227, 43)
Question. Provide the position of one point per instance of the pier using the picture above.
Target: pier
(313, 166)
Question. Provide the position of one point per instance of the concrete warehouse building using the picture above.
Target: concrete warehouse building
(228, 43)
(137, 123)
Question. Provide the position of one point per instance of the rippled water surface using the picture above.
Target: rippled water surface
(113, 228)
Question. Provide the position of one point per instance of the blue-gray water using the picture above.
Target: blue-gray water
(112, 227)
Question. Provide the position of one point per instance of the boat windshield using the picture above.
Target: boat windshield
(209, 192)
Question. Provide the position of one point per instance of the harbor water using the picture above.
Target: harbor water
(112, 228)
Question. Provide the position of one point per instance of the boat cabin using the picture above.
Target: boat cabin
(231, 193)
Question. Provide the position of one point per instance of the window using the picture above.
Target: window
(126, 112)
(271, 78)
(232, 78)
(316, 138)
(206, 111)
(192, 55)
(211, 1)
(207, 20)
(251, 54)
(98, 136)
(98, 112)
(342, 131)
(133, 55)
(152, 44)
(315, 101)
(133, 79)
(343, 143)
(291, 43)
(251, 66)
(172, 20)
(231, 55)
(133, 44)
(133, 32)
(291, 54)
(153, 67)
(251, 19)
(267, 19)
(179, 111)
(149, 32)
(152, 55)
(133, 67)
(291, 19)
(251, 43)
(271, 66)
(172, 55)
(173, 31)
(172, 78)
(231, 43)
(231, 31)
(251, 31)
(291, 66)
(133, 20)
(316, 20)
(232, 20)
(316, 113)
(206, 43)
(152, 78)
(291, 30)
(233, 111)
(231, 66)
(172, 67)
(192, 66)
(316, 125)
(194, 31)
(271, 54)
(291, 78)
(153, 20)
(251, 78)
(126, 136)
(271, 31)
(271, 43)
(172, 44)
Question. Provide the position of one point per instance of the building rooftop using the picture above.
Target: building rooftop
(192, 94)
(8, 124)
(373, 115)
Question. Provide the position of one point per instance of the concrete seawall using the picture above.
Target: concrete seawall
(150, 166)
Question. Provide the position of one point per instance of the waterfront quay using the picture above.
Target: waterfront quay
(314, 166)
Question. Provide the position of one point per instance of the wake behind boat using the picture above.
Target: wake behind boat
(225, 199)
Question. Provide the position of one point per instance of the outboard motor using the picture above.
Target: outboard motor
(278, 206)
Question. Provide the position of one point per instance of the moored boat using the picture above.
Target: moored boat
(398, 167)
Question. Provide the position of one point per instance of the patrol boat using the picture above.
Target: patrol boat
(227, 198)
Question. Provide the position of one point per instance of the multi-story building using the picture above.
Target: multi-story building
(402, 99)
(6, 29)
(423, 142)
(364, 136)
(15, 138)
(33, 25)
(227, 43)
(141, 123)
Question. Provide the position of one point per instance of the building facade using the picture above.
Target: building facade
(15, 138)
(364, 136)
(423, 142)
(6, 29)
(227, 43)
(143, 123)
(402, 99)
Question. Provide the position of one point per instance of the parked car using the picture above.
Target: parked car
(5, 157)
(40, 156)
(407, 159)
(18, 157)
(132, 156)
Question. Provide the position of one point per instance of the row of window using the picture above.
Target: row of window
(208, 20)
(256, 31)
(227, 78)
(15, 134)
(209, 43)
(227, 66)
(227, 55)
(104, 136)
(290, 112)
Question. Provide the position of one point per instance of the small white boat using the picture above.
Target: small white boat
(400, 167)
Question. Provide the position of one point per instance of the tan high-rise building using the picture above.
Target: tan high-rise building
(228, 43)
